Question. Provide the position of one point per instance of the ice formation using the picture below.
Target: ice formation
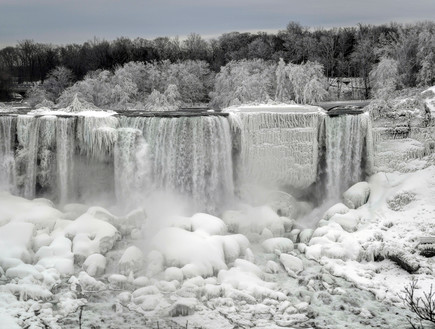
(248, 267)
(348, 152)
(277, 147)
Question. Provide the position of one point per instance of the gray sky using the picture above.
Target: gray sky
(67, 21)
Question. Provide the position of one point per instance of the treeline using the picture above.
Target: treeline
(343, 52)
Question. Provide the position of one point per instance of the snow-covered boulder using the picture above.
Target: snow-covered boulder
(183, 307)
(118, 280)
(57, 255)
(39, 212)
(281, 244)
(88, 283)
(209, 224)
(357, 195)
(272, 267)
(333, 242)
(292, 264)
(16, 241)
(173, 273)
(95, 265)
(91, 235)
(254, 220)
(198, 253)
(132, 260)
(305, 235)
(338, 208)
(23, 270)
(348, 221)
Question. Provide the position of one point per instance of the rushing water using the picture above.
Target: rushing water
(348, 152)
(68, 158)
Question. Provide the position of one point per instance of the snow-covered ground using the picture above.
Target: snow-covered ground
(249, 268)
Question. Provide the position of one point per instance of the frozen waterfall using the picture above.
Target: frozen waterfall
(189, 155)
(204, 157)
(277, 149)
(65, 146)
(7, 160)
(349, 155)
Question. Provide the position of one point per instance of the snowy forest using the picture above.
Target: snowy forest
(299, 64)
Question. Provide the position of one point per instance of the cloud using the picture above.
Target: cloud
(63, 21)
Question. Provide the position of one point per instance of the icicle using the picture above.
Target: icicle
(97, 136)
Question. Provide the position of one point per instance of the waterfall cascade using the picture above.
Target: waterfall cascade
(70, 157)
(189, 155)
(7, 143)
(349, 154)
(278, 149)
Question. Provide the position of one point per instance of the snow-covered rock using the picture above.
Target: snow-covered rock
(92, 235)
(208, 223)
(348, 221)
(16, 241)
(272, 267)
(281, 244)
(57, 255)
(198, 253)
(292, 264)
(338, 208)
(131, 260)
(305, 235)
(95, 265)
(357, 195)
(173, 273)
(118, 280)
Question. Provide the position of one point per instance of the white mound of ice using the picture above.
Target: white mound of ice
(357, 195)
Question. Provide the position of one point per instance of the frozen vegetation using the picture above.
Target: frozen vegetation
(281, 241)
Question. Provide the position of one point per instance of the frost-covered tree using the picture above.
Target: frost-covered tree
(168, 101)
(173, 97)
(426, 56)
(384, 78)
(308, 82)
(244, 81)
(57, 81)
(283, 84)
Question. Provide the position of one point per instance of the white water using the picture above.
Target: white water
(131, 165)
(348, 152)
(28, 138)
(190, 156)
(7, 160)
(70, 158)
(65, 145)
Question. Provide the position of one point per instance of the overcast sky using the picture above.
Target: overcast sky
(67, 21)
